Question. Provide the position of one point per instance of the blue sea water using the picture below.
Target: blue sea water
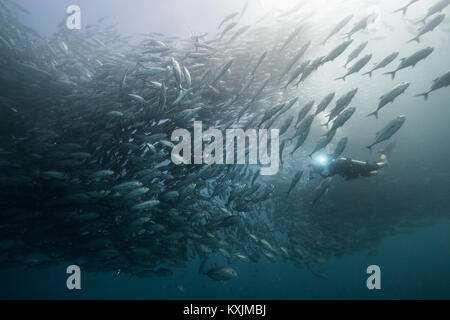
(414, 265)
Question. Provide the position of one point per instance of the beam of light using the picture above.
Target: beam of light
(321, 160)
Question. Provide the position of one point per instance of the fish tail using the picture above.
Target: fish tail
(370, 147)
(402, 9)
(202, 269)
(425, 95)
(422, 20)
(373, 114)
(392, 73)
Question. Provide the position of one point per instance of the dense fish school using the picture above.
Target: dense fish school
(86, 124)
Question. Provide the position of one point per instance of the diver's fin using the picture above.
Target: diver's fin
(384, 160)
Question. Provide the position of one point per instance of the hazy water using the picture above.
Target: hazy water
(413, 265)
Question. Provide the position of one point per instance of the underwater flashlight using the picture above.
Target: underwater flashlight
(321, 160)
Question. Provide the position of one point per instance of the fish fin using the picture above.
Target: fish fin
(373, 114)
(369, 73)
(340, 78)
(369, 147)
(425, 95)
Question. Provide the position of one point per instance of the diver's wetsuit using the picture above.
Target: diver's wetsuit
(352, 169)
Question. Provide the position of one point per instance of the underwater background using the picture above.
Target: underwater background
(404, 209)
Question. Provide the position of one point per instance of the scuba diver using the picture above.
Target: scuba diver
(348, 168)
